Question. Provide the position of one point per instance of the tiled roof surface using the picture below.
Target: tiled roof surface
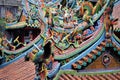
(19, 70)
(89, 76)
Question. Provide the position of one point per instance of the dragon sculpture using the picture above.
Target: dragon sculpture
(64, 26)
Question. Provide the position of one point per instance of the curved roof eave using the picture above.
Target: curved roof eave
(16, 25)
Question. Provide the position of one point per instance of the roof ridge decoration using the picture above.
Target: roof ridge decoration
(71, 35)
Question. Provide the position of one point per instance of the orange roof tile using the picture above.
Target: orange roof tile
(66, 75)
(19, 70)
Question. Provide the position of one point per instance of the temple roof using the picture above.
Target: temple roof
(16, 25)
(19, 70)
(73, 75)
(11, 3)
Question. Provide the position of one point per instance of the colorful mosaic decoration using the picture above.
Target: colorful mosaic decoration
(61, 40)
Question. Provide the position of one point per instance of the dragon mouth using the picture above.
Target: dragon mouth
(117, 34)
(117, 31)
(115, 14)
(116, 28)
